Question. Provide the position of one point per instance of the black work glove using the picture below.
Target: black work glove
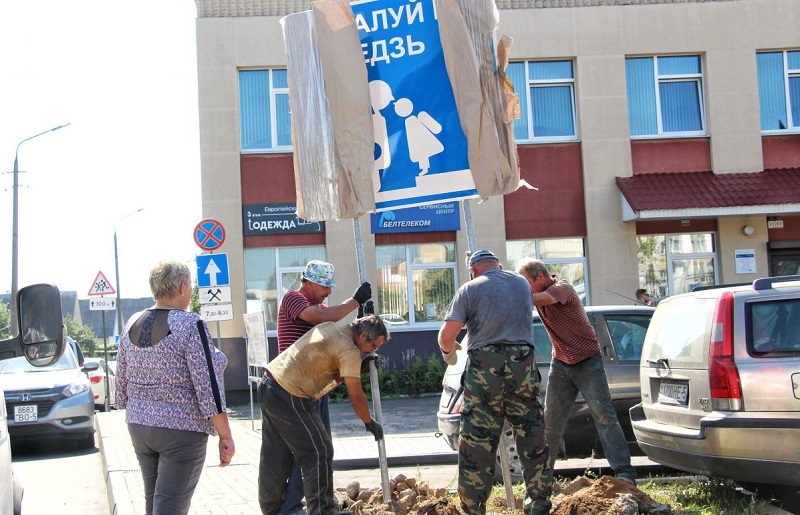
(365, 363)
(373, 427)
(363, 293)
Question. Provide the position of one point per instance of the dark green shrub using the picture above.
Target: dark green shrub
(419, 377)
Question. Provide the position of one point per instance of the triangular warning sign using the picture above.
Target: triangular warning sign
(101, 286)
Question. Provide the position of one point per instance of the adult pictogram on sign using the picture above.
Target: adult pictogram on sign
(101, 286)
(209, 234)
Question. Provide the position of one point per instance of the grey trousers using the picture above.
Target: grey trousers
(171, 461)
(291, 427)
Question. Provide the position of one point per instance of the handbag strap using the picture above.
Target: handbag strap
(201, 326)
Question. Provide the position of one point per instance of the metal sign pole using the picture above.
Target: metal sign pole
(107, 404)
(467, 208)
(373, 371)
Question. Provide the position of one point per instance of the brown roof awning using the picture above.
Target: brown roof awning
(705, 194)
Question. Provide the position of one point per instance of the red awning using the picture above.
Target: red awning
(704, 194)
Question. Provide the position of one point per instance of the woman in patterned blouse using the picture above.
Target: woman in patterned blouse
(169, 380)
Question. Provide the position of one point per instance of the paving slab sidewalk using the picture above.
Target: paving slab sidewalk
(411, 447)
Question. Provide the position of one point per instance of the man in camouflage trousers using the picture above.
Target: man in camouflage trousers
(501, 382)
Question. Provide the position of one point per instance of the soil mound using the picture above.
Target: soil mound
(583, 496)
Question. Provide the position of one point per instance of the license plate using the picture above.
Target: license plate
(28, 413)
(673, 393)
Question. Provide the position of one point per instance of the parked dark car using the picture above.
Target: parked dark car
(621, 331)
(720, 374)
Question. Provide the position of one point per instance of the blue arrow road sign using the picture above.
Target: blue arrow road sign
(212, 270)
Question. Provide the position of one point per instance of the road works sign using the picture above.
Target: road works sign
(101, 286)
(214, 294)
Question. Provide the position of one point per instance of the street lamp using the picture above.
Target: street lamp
(15, 231)
(116, 269)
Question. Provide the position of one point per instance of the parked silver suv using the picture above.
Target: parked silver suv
(720, 378)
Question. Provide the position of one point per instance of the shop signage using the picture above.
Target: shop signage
(259, 219)
(428, 218)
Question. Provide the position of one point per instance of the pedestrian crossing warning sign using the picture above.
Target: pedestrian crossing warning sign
(101, 286)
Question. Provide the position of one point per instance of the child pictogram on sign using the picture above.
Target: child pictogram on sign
(101, 286)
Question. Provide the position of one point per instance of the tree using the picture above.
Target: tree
(82, 334)
(5, 321)
(194, 303)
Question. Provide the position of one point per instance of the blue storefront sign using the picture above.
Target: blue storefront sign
(259, 219)
(427, 218)
(420, 149)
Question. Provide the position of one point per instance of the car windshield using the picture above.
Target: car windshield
(20, 364)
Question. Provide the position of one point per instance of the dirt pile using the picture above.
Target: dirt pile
(408, 497)
(583, 496)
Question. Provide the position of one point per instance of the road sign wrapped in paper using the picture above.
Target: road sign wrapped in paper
(331, 125)
(398, 103)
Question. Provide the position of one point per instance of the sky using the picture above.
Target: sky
(124, 76)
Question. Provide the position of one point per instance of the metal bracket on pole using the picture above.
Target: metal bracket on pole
(504, 462)
(373, 371)
(503, 449)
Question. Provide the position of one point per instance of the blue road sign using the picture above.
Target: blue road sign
(209, 234)
(420, 148)
(212, 270)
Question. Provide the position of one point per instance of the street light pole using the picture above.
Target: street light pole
(116, 270)
(15, 231)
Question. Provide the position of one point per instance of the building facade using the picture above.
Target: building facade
(662, 137)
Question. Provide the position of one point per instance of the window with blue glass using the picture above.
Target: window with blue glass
(779, 90)
(265, 122)
(546, 92)
(665, 95)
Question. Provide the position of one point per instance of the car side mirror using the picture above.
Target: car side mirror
(41, 326)
(90, 367)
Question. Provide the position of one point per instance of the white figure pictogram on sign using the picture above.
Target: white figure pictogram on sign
(420, 130)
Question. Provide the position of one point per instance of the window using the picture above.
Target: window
(264, 110)
(265, 268)
(773, 327)
(779, 90)
(547, 100)
(665, 96)
(543, 345)
(564, 257)
(627, 334)
(415, 282)
(676, 263)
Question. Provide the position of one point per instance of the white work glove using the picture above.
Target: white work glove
(450, 357)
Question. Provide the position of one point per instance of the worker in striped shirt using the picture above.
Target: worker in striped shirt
(577, 367)
(301, 310)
